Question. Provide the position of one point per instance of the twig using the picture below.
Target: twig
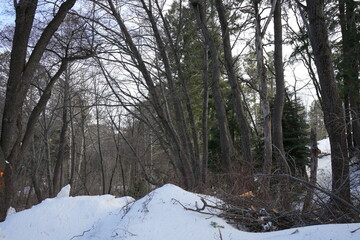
(81, 235)
(199, 210)
(221, 238)
(355, 230)
(313, 186)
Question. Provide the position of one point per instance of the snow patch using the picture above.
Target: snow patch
(64, 192)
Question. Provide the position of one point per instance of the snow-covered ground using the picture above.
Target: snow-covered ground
(324, 170)
(159, 215)
(324, 164)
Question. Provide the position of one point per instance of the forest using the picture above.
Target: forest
(216, 96)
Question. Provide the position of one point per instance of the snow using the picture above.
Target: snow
(159, 215)
(324, 164)
(60, 218)
(64, 192)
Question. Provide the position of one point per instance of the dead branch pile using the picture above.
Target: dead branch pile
(248, 213)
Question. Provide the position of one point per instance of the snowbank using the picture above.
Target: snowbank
(60, 218)
(157, 216)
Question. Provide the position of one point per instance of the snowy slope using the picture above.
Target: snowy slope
(156, 216)
(60, 218)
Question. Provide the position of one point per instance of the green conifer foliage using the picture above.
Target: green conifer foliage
(296, 135)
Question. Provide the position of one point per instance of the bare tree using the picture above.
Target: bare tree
(280, 90)
(235, 87)
(22, 69)
(331, 103)
(228, 153)
(263, 78)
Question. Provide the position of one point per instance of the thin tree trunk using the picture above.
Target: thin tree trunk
(72, 159)
(174, 141)
(350, 64)
(204, 118)
(348, 123)
(235, 88)
(228, 153)
(62, 140)
(48, 156)
(99, 145)
(181, 128)
(265, 106)
(313, 171)
(196, 159)
(279, 102)
(82, 158)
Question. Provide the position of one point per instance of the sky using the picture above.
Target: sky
(297, 71)
(6, 13)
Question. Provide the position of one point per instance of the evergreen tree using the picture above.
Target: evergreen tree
(296, 135)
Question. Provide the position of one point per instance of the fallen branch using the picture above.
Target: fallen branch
(81, 235)
(197, 209)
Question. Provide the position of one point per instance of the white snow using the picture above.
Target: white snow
(64, 192)
(157, 216)
(324, 164)
(324, 145)
(160, 215)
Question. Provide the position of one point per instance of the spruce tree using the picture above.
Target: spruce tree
(296, 135)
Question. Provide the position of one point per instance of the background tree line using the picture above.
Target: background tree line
(121, 96)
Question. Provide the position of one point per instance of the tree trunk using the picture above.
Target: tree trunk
(176, 146)
(313, 171)
(196, 161)
(333, 112)
(235, 88)
(22, 69)
(265, 106)
(48, 156)
(350, 64)
(72, 158)
(189, 155)
(62, 140)
(228, 153)
(279, 102)
(204, 118)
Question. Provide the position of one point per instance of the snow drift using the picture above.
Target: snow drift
(159, 215)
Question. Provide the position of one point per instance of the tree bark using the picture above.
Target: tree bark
(279, 102)
(235, 88)
(350, 64)
(313, 171)
(188, 160)
(22, 69)
(191, 118)
(176, 146)
(62, 140)
(333, 112)
(204, 117)
(228, 153)
(265, 106)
